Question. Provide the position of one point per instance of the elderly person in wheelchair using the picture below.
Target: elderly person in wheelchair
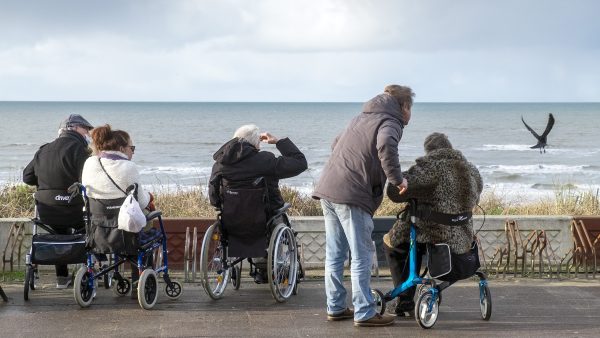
(447, 188)
(240, 164)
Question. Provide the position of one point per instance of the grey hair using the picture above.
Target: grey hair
(249, 133)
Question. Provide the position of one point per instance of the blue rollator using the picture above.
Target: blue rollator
(146, 251)
(429, 291)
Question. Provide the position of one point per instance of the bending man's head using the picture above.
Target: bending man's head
(436, 141)
(404, 95)
(249, 133)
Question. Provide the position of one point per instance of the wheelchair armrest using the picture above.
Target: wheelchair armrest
(283, 209)
(39, 223)
(153, 215)
(279, 212)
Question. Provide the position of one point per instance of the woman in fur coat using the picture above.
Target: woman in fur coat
(447, 186)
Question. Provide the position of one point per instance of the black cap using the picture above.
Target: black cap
(76, 120)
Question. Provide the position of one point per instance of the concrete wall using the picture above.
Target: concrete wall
(311, 234)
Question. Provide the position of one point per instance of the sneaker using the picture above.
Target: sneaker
(63, 282)
(346, 314)
(377, 320)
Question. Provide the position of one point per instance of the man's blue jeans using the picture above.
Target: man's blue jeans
(348, 227)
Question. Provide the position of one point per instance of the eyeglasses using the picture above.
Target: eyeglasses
(132, 148)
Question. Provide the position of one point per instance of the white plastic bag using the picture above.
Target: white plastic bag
(131, 217)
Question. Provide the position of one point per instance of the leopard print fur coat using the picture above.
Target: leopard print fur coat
(444, 179)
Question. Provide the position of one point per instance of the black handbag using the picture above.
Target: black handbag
(447, 266)
(51, 249)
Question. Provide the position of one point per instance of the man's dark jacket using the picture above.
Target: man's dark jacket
(55, 167)
(239, 161)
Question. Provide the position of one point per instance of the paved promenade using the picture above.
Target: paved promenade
(521, 308)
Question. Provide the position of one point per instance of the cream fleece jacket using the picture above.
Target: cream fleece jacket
(123, 172)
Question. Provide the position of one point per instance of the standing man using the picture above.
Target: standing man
(54, 168)
(351, 189)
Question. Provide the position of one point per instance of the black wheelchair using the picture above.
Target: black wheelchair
(64, 240)
(242, 231)
(146, 251)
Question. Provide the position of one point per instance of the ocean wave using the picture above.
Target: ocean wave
(533, 169)
(527, 147)
(175, 170)
(10, 145)
(505, 147)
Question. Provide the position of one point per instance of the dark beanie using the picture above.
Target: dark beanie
(436, 141)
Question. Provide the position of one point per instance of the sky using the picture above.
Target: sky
(306, 50)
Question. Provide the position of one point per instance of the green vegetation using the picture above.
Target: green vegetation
(16, 200)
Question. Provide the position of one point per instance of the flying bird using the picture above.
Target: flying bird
(542, 142)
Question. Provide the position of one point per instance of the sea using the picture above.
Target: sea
(175, 141)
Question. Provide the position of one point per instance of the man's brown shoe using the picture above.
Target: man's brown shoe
(377, 320)
(346, 314)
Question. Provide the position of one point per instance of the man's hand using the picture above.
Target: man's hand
(268, 138)
(403, 186)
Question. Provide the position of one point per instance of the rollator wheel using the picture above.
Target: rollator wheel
(173, 291)
(485, 302)
(121, 287)
(379, 301)
(148, 289)
(422, 288)
(33, 277)
(426, 311)
(28, 283)
(282, 264)
(82, 288)
(236, 277)
(214, 275)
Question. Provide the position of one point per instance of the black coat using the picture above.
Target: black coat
(239, 161)
(55, 167)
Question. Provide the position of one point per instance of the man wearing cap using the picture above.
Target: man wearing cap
(55, 167)
(350, 188)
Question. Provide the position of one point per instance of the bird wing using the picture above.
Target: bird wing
(549, 125)
(531, 130)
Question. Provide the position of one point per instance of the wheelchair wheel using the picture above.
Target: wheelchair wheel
(236, 277)
(147, 291)
(173, 291)
(214, 275)
(3, 295)
(485, 302)
(282, 264)
(29, 282)
(84, 293)
(379, 301)
(300, 277)
(426, 310)
(121, 287)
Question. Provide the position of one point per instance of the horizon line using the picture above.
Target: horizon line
(333, 102)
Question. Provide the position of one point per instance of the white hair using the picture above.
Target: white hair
(249, 133)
